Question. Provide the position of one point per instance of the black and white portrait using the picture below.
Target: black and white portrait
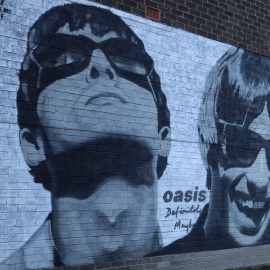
(235, 133)
(234, 139)
(123, 138)
(94, 129)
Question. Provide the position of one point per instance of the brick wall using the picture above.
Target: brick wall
(128, 142)
(241, 258)
(241, 23)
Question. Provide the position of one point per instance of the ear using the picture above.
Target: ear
(165, 136)
(32, 146)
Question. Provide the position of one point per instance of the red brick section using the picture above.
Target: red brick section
(242, 23)
(233, 259)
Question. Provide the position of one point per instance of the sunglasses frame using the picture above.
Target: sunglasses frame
(141, 80)
(239, 161)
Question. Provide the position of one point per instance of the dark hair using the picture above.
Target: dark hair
(235, 92)
(76, 16)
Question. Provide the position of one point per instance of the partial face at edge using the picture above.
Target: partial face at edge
(240, 195)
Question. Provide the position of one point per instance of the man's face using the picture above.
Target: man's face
(102, 145)
(240, 192)
(97, 102)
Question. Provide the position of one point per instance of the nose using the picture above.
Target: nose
(258, 176)
(100, 68)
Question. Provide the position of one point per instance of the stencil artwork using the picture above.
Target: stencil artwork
(236, 152)
(81, 87)
(124, 138)
(234, 135)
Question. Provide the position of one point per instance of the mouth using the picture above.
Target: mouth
(252, 208)
(106, 99)
(255, 209)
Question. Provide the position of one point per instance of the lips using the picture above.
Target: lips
(252, 209)
(111, 97)
(250, 204)
(255, 209)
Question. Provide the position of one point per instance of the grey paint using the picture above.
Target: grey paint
(131, 206)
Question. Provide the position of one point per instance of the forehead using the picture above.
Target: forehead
(261, 124)
(87, 32)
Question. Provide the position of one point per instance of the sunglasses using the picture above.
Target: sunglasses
(65, 55)
(242, 146)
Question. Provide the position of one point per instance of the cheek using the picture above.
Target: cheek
(62, 102)
(221, 183)
(230, 175)
(222, 178)
(54, 110)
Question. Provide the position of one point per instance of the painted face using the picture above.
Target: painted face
(102, 140)
(109, 94)
(241, 191)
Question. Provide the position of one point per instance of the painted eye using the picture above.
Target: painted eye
(66, 58)
(48, 57)
(138, 67)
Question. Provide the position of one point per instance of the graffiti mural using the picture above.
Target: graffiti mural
(234, 138)
(123, 138)
(96, 162)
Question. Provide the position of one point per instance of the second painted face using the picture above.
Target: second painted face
(240, 193)
(102, 145)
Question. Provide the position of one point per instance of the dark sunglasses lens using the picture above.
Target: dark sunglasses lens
(129, 65)
(63, 50)
(128, 57)
(240, 156)
(53, 57)
(242, 146)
